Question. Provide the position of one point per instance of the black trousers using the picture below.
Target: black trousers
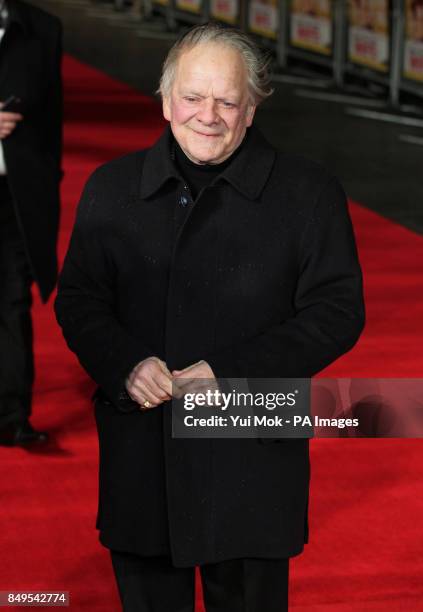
(152, 584)
(16, 356)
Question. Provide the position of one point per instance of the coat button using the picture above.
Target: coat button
(183, 200)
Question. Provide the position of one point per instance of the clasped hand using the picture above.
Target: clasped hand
(151, 381)
(8, 122)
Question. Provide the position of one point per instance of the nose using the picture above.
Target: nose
(207, 114)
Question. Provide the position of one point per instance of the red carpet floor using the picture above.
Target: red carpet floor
(366, 550)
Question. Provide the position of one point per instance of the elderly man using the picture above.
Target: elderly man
(208, 255)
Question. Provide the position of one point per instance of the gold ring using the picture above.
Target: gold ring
(147, 404)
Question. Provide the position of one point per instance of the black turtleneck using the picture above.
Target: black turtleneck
(199, 176)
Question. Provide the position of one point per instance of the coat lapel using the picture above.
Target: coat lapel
(248, 173)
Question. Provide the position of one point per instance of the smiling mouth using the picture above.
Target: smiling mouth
(207, 135)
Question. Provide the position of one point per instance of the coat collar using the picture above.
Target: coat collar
(248, 173)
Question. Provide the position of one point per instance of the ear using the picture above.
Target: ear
(251, 109)
(166, 108)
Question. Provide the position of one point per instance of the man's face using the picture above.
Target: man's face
(209, 107)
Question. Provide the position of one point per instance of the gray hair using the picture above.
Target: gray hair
(256, 62)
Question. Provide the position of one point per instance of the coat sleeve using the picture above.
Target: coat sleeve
(53, 110)
(328, 303)
(85, 305)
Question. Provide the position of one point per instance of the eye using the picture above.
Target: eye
(190, 99)
(228, 104)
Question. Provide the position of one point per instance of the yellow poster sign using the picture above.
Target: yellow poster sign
(194, 6)
(311, 25)
(368, 33)
(263, 17)
(225, 10)
(413, 44)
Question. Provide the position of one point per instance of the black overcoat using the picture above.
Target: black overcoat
(30, 58)
(262, 280)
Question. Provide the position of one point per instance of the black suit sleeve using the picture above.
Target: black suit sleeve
(329, 307)
(85, 305)
(54, 102)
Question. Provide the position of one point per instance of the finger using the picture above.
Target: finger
(200, 386)
(192, 386)
(180, 384)
(138, 390)
(164, 368)
(145, 391)
(145, 405)
(144, 408)
(154, 365)
(136, 396)
(184, 380)
(138, 370)
(158, 379)
(177, 392)
(8, 116)
(142, 400)
(157, 390)
(201, 370)
(184, 385)
(7, 129)
(164, 383)
(132, 376)
(189, 370)
(154, 378)
(181, 372)
(134, 393)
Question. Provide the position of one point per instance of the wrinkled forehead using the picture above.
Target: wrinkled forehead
(211, 66)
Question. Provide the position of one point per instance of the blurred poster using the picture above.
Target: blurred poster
(225, 10)
(368, 33)
(194, 6)
(263, 17)
(413, 47)
(311, 25)
(162, 2)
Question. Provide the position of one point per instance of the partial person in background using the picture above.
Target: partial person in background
(30, 172)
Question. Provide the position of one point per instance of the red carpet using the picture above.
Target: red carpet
(367, 500)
